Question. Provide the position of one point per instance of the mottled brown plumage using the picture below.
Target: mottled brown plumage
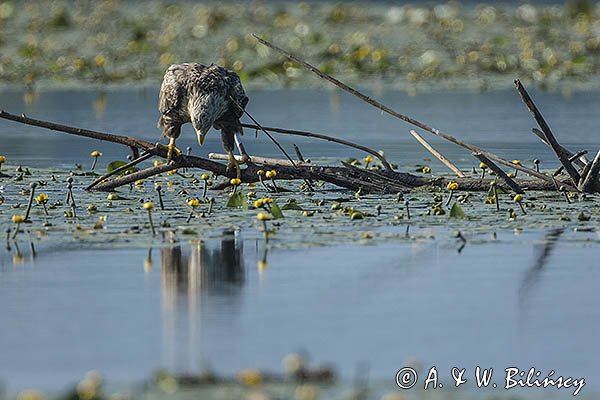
(205, 96)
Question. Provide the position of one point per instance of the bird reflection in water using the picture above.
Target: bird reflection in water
(185, 278)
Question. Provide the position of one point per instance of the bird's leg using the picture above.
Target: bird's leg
(232, 161)
(245, 157)
(172, 148)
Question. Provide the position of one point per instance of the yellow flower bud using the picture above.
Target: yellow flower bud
(510, 175)
(263, 216)
(368, 159)
(235, 181)
(267, 200)
(260, 172)
(172, 172)
(517, 162)
(17, 219)
(139, 182)
(426, 170)
(96, 153)
(452, 186)
(193, 203)
(518, 198)
(42, 198)
(158, 163)
(258, 203)
(482, 165)
(271, 174)
(2, 159)
(148, 205)
(205, 177)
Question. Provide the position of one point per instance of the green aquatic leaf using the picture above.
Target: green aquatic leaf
(276, 211)
(499, 189)
(457, 212)
(237, 200)
(291, 205)
(118, 164)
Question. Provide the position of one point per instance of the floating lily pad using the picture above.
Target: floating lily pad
(457, 212)
(237, 200)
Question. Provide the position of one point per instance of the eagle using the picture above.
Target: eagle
(205, 96)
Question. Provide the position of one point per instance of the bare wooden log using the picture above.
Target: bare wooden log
(437, 154)
(499, 173)
(562, 156)
(260, 160)
(351, 178)
(589, 183)
(405, 118)
(366, 149)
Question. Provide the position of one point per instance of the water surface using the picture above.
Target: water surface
(510, 302)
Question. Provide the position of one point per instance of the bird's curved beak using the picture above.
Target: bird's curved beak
(202, 136)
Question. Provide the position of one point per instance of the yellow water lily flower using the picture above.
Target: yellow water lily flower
(193, 203)
(263, 216)
(452, 186)
(42, 198)
(17, 219)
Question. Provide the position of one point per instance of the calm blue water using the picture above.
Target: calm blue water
(496, 120)
(66, 312)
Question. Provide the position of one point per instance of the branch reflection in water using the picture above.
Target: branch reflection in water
(187, 277)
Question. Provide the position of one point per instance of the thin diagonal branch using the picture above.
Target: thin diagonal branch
(562, 156)
(437, 154)
(374, 153)
(499, 173)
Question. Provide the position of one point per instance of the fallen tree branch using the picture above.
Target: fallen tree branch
(559, 151)
(116, 171)
(407, 119)
(589, 182)
(374, 153)
(499, 173)
(380, 182)
(260, 160)
(579, 161)
(437, 154)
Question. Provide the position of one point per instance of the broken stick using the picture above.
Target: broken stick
(437, 154)
(499, 173)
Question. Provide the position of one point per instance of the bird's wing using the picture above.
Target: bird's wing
(172, 90)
